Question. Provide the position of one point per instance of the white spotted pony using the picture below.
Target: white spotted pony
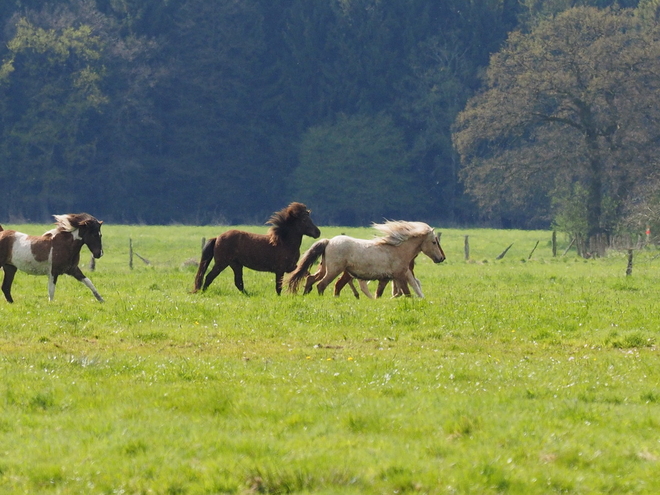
(55, 253)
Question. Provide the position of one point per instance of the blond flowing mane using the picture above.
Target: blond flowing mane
(397, 231)
(72, 221)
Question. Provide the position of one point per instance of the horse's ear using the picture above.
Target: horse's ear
(100, 222)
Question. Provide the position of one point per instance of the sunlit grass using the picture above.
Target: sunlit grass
(513, 376)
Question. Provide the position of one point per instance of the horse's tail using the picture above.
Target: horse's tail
(307, 260)
(207, 256)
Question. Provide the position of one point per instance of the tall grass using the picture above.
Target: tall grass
(521, 375)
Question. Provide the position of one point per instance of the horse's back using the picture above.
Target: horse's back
(254, 251)
(361, 257)
(27, 253)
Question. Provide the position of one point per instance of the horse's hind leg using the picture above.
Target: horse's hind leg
(312, 279)
(327, 279)
(215, 271)
(10, 271)
(365, 288)
(346, 278)
(238, 275)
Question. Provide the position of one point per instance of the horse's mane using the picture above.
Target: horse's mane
(282, 220)
(72, 221)
(398, 231)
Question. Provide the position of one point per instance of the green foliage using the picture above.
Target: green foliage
(520, 375)
(561, 107)
(357, 169)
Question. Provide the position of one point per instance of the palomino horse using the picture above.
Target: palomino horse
(386, 257)
(277, 252)
(55, 253)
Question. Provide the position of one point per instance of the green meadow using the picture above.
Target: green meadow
(525, 375)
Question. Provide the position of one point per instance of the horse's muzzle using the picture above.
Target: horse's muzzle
(98, 254)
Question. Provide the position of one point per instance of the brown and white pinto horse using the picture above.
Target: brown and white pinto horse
(277, 251)
(55, 253)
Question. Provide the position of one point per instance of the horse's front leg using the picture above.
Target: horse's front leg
(382, 283)
(279, 276)
(80, 277)
(10, 271)
(414, 283)
(401, 285)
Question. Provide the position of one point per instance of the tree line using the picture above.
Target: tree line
(202, 111)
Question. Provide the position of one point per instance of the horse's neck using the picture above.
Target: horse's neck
(74, 241)
(292, 240)
(412, 248)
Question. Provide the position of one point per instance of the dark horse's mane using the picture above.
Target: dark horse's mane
(282, 221)
(72, 221)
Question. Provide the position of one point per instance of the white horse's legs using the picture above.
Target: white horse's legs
(365, 288)
(327, 279)
(414, 283)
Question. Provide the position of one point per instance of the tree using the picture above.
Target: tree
(50, 84)
(356, 171)
(573, 101)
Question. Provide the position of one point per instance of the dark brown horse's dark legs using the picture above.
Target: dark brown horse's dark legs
(215, 271)
(238, 276)
(10, 271)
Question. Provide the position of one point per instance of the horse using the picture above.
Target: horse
(347, 278)
(382, 258)
(55, 253)
(277, 251)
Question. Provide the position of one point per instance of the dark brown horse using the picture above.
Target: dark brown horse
(277, 251)
(55, 253)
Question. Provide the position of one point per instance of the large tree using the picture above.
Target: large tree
(568, 115)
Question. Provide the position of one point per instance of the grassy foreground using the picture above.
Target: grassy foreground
(522, 375)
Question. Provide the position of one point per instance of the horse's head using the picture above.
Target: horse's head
(89, 230)
(295, 217)
(91, 234)
(431, 248)
(306, 224)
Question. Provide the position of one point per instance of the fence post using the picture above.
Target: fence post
(554, 243)
(130, 253)
(630, 263)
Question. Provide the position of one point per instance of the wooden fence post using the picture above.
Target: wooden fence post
(130, 253)
(554, 243)
(466, 248)
(630, 263)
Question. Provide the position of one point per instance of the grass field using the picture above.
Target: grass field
(521, 375)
